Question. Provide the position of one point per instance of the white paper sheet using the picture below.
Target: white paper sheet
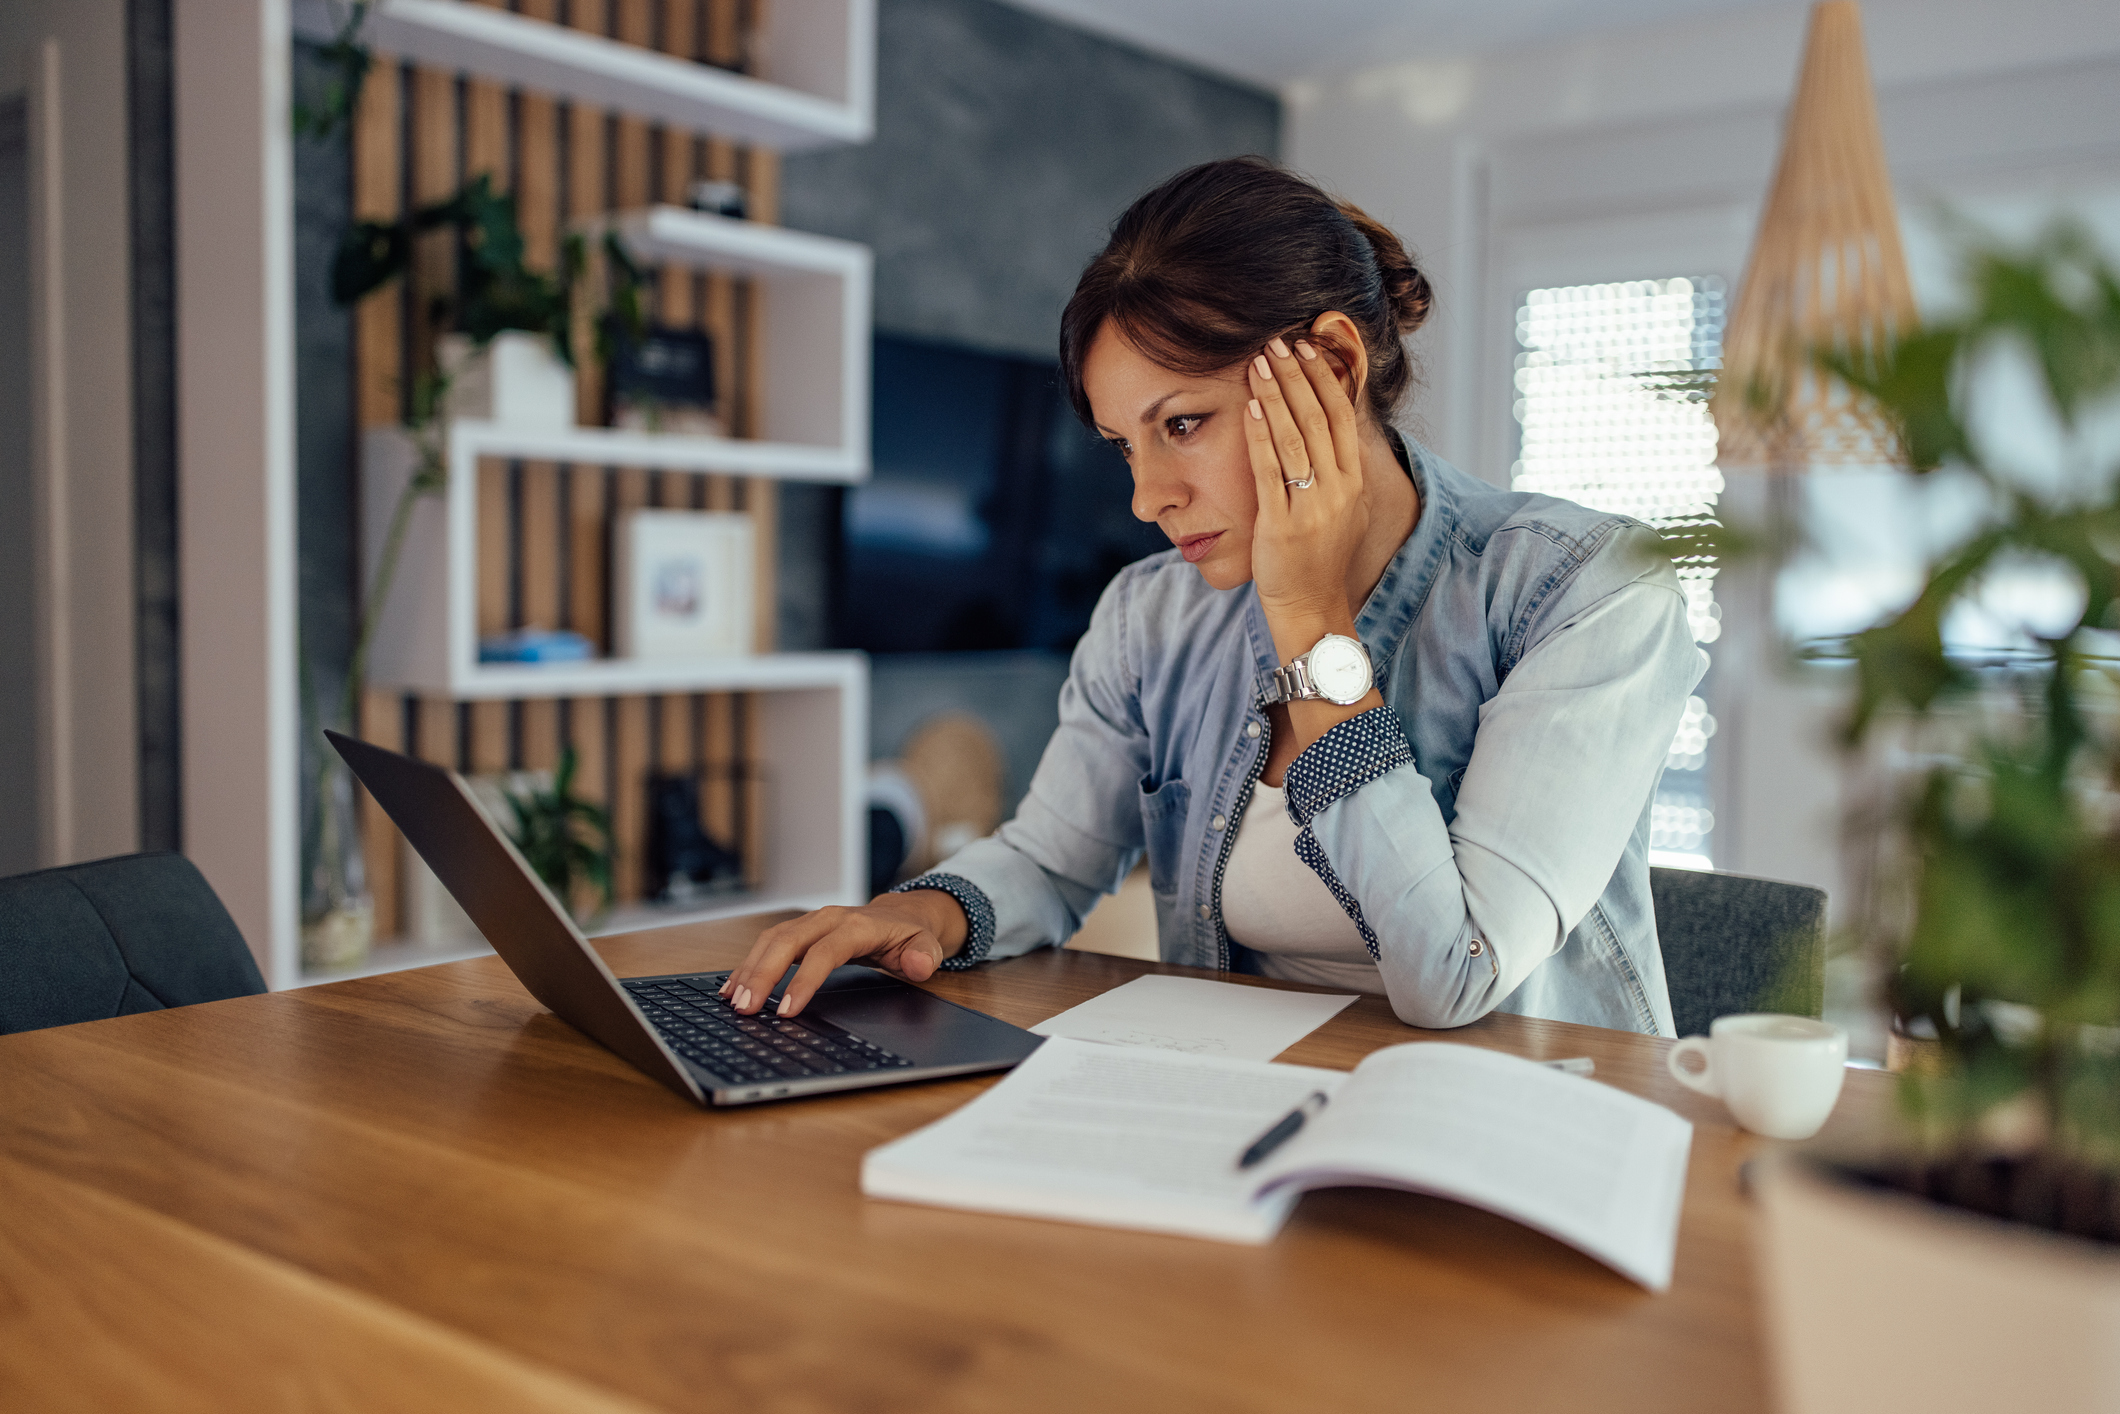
(1199, 1017)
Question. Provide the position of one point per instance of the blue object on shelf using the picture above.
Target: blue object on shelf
(536, 645)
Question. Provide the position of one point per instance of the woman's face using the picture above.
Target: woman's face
(1183, 436)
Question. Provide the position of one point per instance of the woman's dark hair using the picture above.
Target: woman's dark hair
(1202, 271)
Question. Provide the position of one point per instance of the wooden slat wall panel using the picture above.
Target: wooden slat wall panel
(378, 179)
(629, 751)
(493, 547)
(545, 529)
(540, 547)
(437, 170)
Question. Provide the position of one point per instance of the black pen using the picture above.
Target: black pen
(1285, 1130)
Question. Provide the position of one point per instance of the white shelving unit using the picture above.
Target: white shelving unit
(819, 55)
(812, 762)
(427, 638)
(813, 729)
(815, 296)
(812, 362)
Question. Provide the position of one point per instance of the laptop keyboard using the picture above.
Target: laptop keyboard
(705, 1029)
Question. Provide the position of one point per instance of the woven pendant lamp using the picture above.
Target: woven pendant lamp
(1827, 270)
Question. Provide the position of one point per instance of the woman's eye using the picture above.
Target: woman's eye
(1184, 425)
(1124, 447)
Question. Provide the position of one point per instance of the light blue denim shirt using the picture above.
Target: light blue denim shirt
(1486, 829)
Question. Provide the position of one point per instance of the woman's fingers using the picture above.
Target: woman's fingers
(1305, 412)
(1265, 461)
(777, 947)
(913, 956)
(821, 941)
(1287, 438)
(1324, 383)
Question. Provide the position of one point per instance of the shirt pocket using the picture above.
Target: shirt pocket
(1163, 828)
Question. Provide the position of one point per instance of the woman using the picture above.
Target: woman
(1377, 724)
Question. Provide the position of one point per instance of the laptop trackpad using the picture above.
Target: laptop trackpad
(925, 1029)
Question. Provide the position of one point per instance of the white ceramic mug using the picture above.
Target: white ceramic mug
(1778, 1074)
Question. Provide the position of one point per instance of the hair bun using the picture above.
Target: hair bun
(1404, 284)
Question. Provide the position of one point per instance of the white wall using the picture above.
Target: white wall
(235, 449)
(68, 59)
(1646, 153)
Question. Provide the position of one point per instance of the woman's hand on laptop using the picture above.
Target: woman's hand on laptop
(907, 935)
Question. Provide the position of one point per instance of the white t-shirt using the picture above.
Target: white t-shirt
(1275, 904)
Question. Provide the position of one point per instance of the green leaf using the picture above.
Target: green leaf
(1910, 381)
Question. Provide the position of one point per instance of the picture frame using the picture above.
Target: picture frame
(682, 584)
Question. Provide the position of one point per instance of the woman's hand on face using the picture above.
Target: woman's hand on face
(1300, 427)
(907, 935)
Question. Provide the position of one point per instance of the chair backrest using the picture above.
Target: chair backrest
(1734, 944)
(137, 933)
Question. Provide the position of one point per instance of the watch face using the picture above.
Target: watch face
(1340, 669)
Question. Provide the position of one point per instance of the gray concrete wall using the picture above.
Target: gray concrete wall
(1005, 147)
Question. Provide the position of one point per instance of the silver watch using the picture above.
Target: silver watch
(1335, 670)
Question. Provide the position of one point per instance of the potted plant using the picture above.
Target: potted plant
(509, 355)
(1968, 1259)
(565, 838)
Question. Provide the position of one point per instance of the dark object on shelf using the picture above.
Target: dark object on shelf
(662, 380)
(720, 198)
(683, 860)
(138, 933)
(992, 519)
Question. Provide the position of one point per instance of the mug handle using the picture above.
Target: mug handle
(1704, 1080)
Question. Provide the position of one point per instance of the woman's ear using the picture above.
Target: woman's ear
(1340, 340)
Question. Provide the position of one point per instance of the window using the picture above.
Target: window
(1614, 415)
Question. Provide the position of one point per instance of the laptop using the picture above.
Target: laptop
(863, 1028)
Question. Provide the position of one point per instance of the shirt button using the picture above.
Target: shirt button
(1218, 823)
(1477, 947)
(1251, 729)
(1205, 911)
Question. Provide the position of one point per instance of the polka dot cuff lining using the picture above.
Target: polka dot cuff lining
(1342, 761)
(978, 915)
(1312, 853)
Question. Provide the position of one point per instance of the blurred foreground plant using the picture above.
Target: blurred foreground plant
(2004, 912)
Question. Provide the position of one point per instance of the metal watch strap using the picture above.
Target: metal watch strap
(1286, 684)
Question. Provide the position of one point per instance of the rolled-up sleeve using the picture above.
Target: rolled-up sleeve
(1567, 752)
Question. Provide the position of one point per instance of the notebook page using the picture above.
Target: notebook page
(1109, 1135)
(1598, 1168)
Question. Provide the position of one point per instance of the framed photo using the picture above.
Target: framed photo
(682, 584)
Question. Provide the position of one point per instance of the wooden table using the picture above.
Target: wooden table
(422, 1191)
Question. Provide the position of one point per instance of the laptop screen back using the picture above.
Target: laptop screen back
(511, 906)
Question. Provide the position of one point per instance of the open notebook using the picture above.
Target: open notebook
(1126, 1137)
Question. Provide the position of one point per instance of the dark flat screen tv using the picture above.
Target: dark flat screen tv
(992, 518)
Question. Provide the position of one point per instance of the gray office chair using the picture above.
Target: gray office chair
(138, 933)
(1734, 944)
